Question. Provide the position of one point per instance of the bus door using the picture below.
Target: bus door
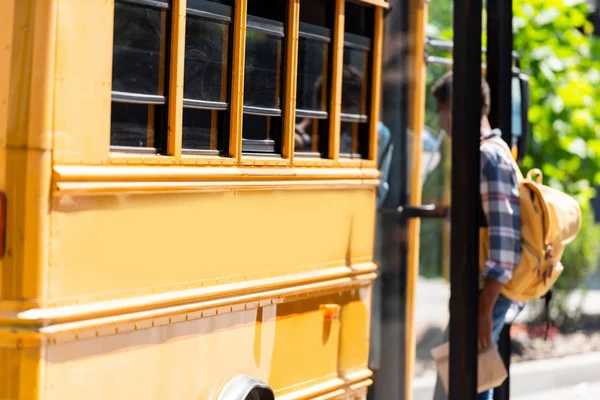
(411, 155)
(417, 156)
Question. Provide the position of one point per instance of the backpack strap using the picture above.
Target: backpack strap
(538, 180)
(547, 300)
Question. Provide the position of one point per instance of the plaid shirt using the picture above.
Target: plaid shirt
(500, 201)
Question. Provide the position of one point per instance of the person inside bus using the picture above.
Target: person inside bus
(499, 210)
(351, 89)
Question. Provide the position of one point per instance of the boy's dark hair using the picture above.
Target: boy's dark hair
(442, 91)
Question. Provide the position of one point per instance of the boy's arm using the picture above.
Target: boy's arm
(500, 201)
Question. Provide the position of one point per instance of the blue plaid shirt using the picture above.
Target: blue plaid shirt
(500, 200)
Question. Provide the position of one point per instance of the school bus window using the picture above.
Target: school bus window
(354, 131)
(139, 75)
(312, 95)
(263, 80)
(206, 76)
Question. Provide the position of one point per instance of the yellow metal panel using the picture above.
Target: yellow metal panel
(376, 83)
(41, 96)
(378, 3)
(3, 175)
(177, 61)
(6, 52)
(83, 81)
(264, 161)
(21, 373)
(187, 360)
(10, 361)
(157, 159)
(68, 323)
(354, 341)
(27, 188)
(336, 80)
(97, 238)
(289, 112)
(32, 68)
(237, 84)
(193, 359)
(118, 188)
(26, 160)
(313, 354)
(417, 77)
(222, 175)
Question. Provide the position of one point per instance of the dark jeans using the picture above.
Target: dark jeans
(498, 313)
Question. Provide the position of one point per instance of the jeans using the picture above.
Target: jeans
(501, 307)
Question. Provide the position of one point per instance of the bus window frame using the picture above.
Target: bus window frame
(232, 153)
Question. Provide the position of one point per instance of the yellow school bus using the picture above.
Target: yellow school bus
(188, 198)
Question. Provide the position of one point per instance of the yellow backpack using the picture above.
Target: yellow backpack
(550, 219)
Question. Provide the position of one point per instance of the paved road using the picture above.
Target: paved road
(582, 391)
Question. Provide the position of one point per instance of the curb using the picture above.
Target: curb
(534, 376)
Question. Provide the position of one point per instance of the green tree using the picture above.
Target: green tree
(562, 58)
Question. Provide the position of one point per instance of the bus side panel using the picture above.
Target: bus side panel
(26, 94)
(291, 346)
(355, 330)
(84, 81)
(110, 247)
(6, 39)
(20, 372)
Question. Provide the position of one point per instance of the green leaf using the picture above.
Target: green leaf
(547, 16)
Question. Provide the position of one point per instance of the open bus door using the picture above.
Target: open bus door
(393, 344)
(403, 94)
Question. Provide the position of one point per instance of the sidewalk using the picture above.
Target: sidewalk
(556, 378)
(582, 391)
(528, 380)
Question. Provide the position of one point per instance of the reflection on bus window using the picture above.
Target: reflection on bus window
(263, 77)
(138, 78)
(263, 70)
(354, 92)
(354, 130)
(130, 125)
(136, 53)
(201, 129)
(206, 97)
(354, 134)
(312, 90)
(312, 75)
(206, 60)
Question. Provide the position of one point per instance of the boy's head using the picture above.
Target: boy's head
(442, 91)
